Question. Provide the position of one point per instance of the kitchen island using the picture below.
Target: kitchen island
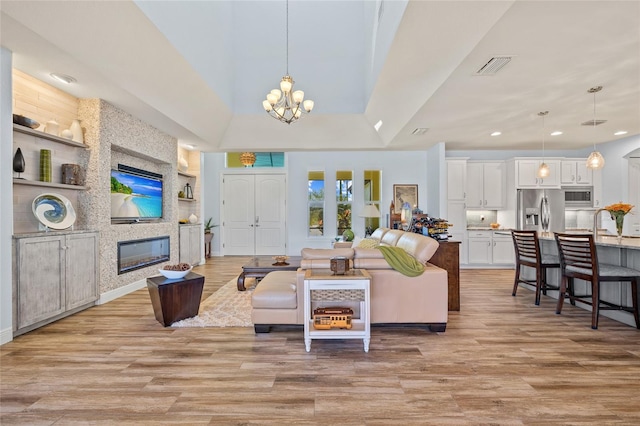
(611, 251)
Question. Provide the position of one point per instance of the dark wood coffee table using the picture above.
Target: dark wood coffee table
(259, 267)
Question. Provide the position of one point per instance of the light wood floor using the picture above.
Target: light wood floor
(502, 360)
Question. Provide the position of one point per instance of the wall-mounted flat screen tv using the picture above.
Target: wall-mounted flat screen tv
(135, 195)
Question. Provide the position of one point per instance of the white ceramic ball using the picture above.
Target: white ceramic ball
(67, 134)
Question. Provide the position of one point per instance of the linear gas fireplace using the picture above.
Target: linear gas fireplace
(136, 254)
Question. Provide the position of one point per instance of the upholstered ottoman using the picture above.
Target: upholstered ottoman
(274, 301)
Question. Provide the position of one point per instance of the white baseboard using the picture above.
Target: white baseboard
(122, 291)
(6, 336)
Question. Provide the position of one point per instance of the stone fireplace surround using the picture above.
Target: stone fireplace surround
(115, 136)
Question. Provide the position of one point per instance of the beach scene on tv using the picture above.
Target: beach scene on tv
(135, 196)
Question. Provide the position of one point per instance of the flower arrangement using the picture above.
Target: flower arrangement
(617, 212)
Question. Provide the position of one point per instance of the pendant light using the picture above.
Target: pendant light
(595, 160)
(543, 170)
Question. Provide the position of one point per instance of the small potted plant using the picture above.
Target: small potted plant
(208, 236)
(208, 225)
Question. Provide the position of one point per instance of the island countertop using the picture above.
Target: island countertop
(632, 243)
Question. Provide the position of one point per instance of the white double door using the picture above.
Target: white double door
(254, 214)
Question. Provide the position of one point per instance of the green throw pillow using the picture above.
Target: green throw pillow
(369, 243)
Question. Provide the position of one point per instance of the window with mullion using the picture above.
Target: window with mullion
(344, 199)
(315, 203)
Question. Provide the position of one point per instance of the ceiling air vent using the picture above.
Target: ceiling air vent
(593, 122)
(493, 65)
(420, 131)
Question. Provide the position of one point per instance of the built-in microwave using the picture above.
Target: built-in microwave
(575, 197)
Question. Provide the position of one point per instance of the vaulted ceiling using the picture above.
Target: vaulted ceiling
(199, 70)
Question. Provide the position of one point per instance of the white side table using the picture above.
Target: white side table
(356, 280)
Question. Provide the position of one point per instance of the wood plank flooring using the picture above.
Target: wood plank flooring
(502, 360)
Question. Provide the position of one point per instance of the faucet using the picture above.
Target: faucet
(595, 223)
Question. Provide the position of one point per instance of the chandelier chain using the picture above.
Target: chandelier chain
(286, 104)
(287, 37)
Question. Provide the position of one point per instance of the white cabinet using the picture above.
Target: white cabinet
(190, 243)
(480, 251)
(503, 252)
(456, 180)
(575, 172)
(485, 185)
(55, 276)
(489, 248)
(597, 188)
(457, 216)
(527, 174)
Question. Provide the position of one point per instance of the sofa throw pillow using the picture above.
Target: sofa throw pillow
(369, 243)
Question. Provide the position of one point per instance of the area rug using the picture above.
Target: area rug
(227, 307)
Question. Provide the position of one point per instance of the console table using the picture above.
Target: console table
(356, 280)
(175, 300)
(448, 257)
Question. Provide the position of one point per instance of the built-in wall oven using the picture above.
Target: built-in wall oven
(578, 197)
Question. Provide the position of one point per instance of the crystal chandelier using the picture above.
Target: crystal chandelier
(284, 104)
(595, 160)
(543, 170)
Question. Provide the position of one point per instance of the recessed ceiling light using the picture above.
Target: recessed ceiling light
(63, 78)
(187, 146)
(378, 125)
(556, 133)
(496, 133)
(620, 132)
(419, 131)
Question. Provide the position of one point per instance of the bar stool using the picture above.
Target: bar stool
(579, 259)
(528, 254)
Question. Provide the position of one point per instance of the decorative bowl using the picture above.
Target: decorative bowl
(280, 259)
(494, 225)
(173, 275)
(25, 121)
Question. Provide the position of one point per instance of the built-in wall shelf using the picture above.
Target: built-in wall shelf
(43, 135)
(190, 200)
(189, 175)
(18, 181)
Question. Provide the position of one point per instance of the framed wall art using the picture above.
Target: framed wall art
(405, 193)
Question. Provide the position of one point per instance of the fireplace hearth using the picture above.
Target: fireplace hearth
(136, 254)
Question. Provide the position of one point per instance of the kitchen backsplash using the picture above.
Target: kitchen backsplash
(481, 218)
(579, 219)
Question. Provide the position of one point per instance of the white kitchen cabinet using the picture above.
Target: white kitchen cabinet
(191, 237)
(457, 216)
(463, 253)
(480, 250)
(488, 248)
(456, 180)
(485, 185)
(527, 173)
(55, 276)
(596, 181)
(575, 172)
(503, 252)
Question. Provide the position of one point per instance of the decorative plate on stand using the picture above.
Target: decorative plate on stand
(54, 211)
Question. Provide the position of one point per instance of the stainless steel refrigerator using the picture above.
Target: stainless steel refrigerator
(540, 207)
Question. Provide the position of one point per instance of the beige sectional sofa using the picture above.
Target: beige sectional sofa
(395, 298)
